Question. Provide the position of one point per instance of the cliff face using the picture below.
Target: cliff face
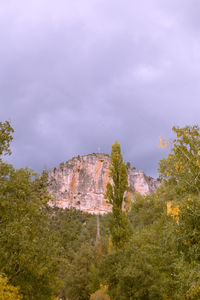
(81, 183)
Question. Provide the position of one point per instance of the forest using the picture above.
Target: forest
(149, 250)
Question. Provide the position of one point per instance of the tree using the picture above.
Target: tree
(181, 169)
(145, 268)
(28, 249)
(5, 137)
(119, 227)
(180, 173)
(78, 277)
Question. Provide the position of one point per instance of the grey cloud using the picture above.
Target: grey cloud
(75, 76)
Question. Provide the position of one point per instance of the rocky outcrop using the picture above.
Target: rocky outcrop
(81, 183)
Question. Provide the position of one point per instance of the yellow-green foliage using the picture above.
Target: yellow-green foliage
(164, 297)
(194, 292)
(6, 132)
(101, 294)
(172, 210)
(162, 143)
(181, 167)
(7, 291)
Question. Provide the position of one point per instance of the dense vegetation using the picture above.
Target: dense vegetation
(46, 253)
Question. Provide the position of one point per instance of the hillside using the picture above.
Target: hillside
(81, 183)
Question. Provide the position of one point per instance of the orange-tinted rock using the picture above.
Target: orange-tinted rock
(81, 183)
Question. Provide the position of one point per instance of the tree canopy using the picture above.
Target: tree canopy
(182, 166)
(115, 193)
(5, 137)
(51, 253)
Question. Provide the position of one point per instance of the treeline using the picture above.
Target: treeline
(149, 250)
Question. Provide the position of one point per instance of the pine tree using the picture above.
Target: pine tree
(119, 226)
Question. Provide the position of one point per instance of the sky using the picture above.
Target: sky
(75, 76)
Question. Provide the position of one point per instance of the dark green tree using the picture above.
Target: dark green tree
(28, 249)
(78, 277)
(119, 225)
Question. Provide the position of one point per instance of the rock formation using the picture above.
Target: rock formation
(81, 183)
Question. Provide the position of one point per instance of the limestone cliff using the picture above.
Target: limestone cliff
(81, 183)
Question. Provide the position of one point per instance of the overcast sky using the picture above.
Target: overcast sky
(77, 75)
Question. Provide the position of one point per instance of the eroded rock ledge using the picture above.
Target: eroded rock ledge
(81, 183)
